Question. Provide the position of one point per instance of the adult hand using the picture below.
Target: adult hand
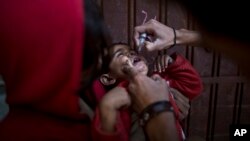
(111, 102)
(145, 91)
(182, 103)
(163, 36)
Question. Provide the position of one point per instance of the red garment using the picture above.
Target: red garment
(40, 61)
(122, 126)
(180, 74)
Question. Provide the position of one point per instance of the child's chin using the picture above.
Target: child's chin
(143, 72)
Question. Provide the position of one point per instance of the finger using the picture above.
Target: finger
(166, 59)
(150, 38)
(156, 45)
(159, 63)
(156, 77)
(146, 28)
(165, 54)
(150, 46)
(136, 37)
(160, 54)
(163, 63)
(155, 68)
(152, 22)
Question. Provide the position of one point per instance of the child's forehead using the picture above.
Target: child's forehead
(120, 47)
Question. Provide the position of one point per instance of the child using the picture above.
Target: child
(179, 75)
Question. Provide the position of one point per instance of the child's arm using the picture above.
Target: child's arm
(120, 130)
(110, 123)
(181, 75)
(110, 106)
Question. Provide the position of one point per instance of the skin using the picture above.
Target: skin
(142, 87)
(218, 42)
(123, 57)
(159, 128)
(164, 36)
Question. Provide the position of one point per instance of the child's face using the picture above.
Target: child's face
(121, 57)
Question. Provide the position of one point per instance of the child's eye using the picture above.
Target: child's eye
(120, 54)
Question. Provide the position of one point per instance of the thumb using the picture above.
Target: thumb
(149, 45)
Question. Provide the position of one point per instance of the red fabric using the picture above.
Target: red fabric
(181, 76)
(122, 128)
(40, 60)
(123, 120)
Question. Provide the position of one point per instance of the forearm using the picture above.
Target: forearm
(162, 128)
(187, 37)
(98, 133)
(108, 118)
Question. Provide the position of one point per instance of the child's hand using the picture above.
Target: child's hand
(162, 62)
(111, 102)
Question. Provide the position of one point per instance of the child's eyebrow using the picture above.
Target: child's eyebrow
(117, 51)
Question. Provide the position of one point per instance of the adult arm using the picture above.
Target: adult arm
(164, 36)
(143, 90)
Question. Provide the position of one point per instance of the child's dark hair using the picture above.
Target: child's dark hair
(108, 58)
(96, 40)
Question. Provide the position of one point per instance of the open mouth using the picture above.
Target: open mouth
(134, 63)
(136, 60)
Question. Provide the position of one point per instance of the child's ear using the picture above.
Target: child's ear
(106, 79)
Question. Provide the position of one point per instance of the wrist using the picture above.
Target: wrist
(184, 36)
(154, 110)
(175, 37)
(179, 36)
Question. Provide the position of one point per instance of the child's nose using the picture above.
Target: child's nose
(126, 61)
(125, 58)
